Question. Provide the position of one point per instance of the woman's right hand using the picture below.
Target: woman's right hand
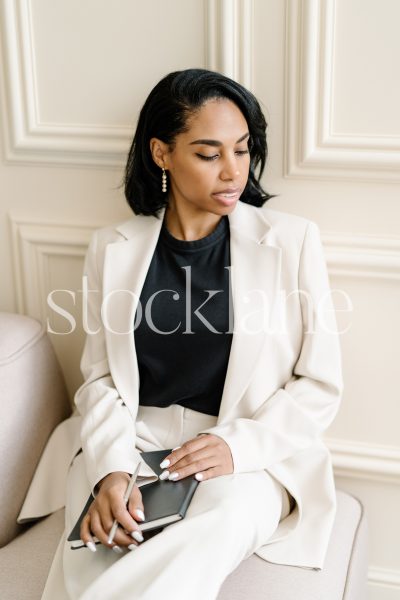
(109, 505)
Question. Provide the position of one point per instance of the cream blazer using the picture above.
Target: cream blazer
(283, 382)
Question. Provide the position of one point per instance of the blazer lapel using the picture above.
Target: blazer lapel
(255, 274)
(255, 269)
(126, 266)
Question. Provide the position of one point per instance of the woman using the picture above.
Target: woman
(210, 331)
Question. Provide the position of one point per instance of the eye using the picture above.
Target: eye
(203, 157)
(242, 152)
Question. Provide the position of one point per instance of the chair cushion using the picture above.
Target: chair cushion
(33, 400)
(25, 562)
(343, 577)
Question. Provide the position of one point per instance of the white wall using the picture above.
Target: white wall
(74, 75)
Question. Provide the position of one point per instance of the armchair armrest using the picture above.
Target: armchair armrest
(33, 400)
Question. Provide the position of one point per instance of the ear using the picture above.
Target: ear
(159, 150)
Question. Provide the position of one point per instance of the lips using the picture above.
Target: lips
(227, 196)
(227, 192)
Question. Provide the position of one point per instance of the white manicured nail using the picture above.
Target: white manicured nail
(132, 546)
(165, 463)
(139, 513)
(173, 476)
(137, 536)
(177, 447)
(117, 549)
(199, 476)
(164, 475)
(91, 546)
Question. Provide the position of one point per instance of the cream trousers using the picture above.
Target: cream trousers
(229, 517)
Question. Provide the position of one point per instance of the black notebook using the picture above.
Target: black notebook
(164, 501)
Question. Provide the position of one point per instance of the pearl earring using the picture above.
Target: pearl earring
(163, 181)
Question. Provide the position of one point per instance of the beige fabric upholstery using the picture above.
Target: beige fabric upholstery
(33, 401)
(25, 562)
(344, 576)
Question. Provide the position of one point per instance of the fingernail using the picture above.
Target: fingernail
(91, 546)
(137, 536)
(199, 476)
(165, 463)
(117, 549)
(139, 513)
(164, 475)
(132, 547)
(173, 476)
(176, 448)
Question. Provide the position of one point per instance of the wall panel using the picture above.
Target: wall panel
(321, 57)
(61, 57)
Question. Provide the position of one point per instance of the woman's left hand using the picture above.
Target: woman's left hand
(205, 456)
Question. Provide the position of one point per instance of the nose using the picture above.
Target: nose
(229, 170)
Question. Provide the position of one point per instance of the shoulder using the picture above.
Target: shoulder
(109, 233)
(282, 221)
(119, 231)
(289, 230)
(100, 239)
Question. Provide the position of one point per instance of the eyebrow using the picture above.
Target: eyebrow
(216, 142)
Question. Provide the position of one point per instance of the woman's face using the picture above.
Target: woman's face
(209, 164)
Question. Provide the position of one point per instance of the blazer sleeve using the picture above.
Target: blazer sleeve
(295, 416)
(108, 428)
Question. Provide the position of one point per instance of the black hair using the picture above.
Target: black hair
(165, 114)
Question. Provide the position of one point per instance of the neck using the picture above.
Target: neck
(188, 225)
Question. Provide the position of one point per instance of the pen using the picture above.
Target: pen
(131, 483)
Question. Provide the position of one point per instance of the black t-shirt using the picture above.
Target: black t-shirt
(184, 322)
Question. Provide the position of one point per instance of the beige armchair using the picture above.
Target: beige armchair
(34, 400)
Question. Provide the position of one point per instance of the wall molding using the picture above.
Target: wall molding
(229, 34)
(362, 256)
(34, 243)
(365, 461)
(312, 149)
(376, 258)
(30, 140)
(384, 578)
